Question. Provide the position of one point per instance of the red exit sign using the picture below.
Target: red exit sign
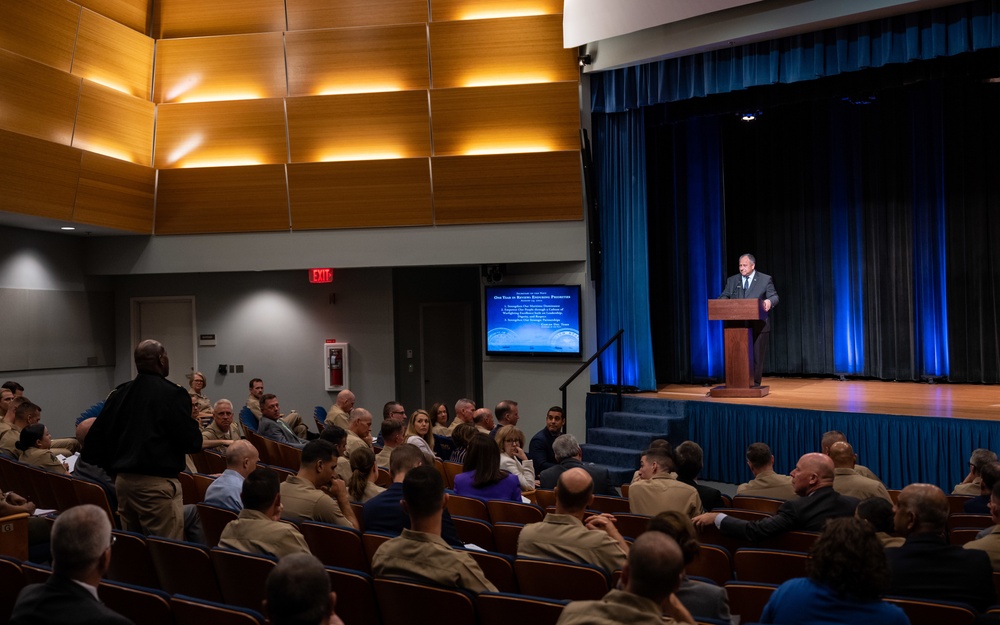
(320, 276)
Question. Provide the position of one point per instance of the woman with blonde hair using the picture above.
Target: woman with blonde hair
(361, 487)
(197, 385)
(418, 433)
(513, 460)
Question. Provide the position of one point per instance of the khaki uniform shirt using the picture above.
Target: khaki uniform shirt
(663, 492)
(423, 556)
(204, 403)
(615, 608)
(848, 482)
(305, 502)
(990, 544)
(864, 471)
(43, 459)
(254, 405)
(768, 484)
(214, 433)
(8, 439)
(974, 489)
(343, 469)
(564, 537)
(383, 457)
(371, 489)
(355, 442)
(889, 540)
(254, 532)
(336, 416)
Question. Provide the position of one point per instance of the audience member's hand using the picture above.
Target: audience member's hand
(600, 522)
(673, 607)
(337, 488)
(704, 520)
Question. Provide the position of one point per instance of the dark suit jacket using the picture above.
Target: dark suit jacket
(761, 288)
(63, 598)
(383, 513)
(805, 513)
(269, 428)
(927, 567)
(711, 498)
(602, 479)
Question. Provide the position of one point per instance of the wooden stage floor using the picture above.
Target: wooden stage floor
(960, 401)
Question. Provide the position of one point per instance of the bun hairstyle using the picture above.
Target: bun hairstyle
(679, 527)
(30, 436)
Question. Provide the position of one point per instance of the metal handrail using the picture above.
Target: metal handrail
(621, 371)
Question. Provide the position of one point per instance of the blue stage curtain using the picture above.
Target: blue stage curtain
(623, 291)
(917, 36)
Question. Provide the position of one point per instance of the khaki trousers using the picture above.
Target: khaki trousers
(151, 505)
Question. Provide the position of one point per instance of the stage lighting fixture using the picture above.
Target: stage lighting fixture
(584, 60)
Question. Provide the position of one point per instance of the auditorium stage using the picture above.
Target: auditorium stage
(904, 431)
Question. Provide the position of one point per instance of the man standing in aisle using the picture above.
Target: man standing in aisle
(141, 436)
(751, 284)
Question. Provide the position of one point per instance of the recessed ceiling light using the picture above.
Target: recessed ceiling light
(67, 228)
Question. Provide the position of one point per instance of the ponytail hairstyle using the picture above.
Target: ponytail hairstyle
(362, 461)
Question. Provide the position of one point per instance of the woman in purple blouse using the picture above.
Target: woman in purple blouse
(482, 476)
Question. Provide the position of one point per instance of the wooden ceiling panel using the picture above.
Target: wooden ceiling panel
(37, 100)
(507, 188)
(352, 60)
(222, 199)
(43, 30)
(366, 194)
(311, 14)
(115, 194)
(450, 10)
(517, 118)
(500, 52)
(201, 18)
(114, 55)
(37, 177)
(115, 124)
(232, 67)
(210, 134)
(131, 13)
(359, 127)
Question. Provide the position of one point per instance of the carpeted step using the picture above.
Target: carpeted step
(653, 406)
(626, 439)
(611, 456)
(660, 425)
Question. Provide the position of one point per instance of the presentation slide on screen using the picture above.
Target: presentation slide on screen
(541, 320)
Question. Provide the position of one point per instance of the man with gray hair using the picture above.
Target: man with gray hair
(972, 484)
(81, 554)
(483, 420)
(359, 430)
(340, 412)
(464, 410)
(298, 593)
(568, 456)
(223, 430)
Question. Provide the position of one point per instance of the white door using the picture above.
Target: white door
(169, 320)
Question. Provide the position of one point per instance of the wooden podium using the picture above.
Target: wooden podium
(737, 315)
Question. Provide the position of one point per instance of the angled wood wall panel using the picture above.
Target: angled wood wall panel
(131, 13)
(204, 134)
(542, 117)
(309, 14)
(232, 67)
(200, 18)
(449, 10)
(37, 100)
(221, 199)
(507, 188)
(115, 194)
(42, 30)
(37, 177)
(365, 194)
(352, 60)
(359, 127)
(114, 55)
(502, 51)
(115, 124)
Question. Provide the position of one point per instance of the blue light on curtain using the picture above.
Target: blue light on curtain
(623, 294)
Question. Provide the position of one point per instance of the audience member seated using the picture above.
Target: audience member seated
(361, 487)
(441, 417)
(384, 513)
(817, 502)
(391, 411)
(660, 443)
(293, 420)
(35, 446)
(878, 513)
(195, 388)
(460, 438)
(81, 555)
(392, 437)
(6, 397)
(482, 477)
(340, 412)
(420, 553)
(258, 529)
(464, 409)
(926, 566)
(689, 459)
(359, 430)
(271, 426)
(540, 447)
(337, 436)
(418, 433)
(659, 490)
(225, 490)
(834, 436)
(569, 455)
(648, 582)
(989, 477)
(25, 413)
(223, 430)
(253, 399)
(765, 482)
(700, 598)
(564, 536)
(298, 593)
(847, 481)
(847, 575)
(991, 542)
(970, 485)
(483, 420)
(301, 494)
(506, 413)
(39, 528)
(510, 441)
(92, 472)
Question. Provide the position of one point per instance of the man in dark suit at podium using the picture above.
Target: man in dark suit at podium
(751, 284)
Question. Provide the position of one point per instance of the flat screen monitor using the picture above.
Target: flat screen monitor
(533, 320)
